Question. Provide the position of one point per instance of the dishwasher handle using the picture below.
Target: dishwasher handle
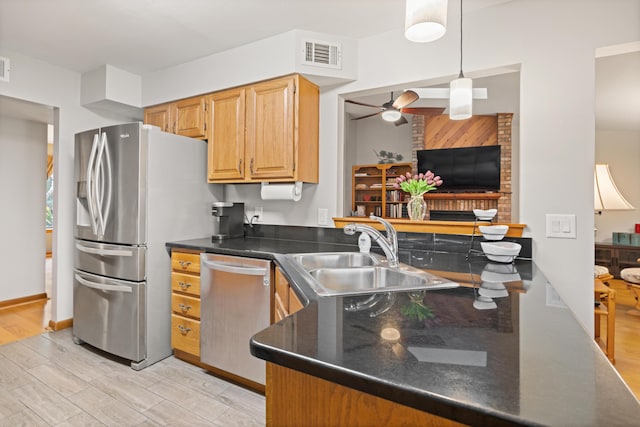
(236, 269)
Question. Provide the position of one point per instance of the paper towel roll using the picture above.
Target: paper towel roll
(288, 191)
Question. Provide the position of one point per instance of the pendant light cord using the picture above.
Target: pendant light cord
(461, 75)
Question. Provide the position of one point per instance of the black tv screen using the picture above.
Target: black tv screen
(464, 169)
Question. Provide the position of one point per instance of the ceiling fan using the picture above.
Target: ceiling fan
(391, 111)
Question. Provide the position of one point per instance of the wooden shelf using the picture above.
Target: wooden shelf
(444, 227)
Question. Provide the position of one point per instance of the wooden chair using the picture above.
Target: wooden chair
(606, 297)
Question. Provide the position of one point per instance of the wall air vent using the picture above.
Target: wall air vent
(4, 69)
(322, 54)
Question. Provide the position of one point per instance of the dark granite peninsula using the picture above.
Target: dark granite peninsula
(500, 349)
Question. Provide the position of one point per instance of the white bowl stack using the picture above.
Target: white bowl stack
(485, 214)
(501, 251)
(493, 232)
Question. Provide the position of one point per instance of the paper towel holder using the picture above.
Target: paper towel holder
(297, 188)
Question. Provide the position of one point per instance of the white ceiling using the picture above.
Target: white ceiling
(142, 36)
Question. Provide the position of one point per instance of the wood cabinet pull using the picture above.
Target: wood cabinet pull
(184, 308)
(184, 286)
(184, 264)
(184, 330)
(251, 166)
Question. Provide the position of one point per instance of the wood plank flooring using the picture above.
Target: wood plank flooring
(46, 380)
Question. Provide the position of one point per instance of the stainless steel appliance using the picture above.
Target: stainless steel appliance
(228, 220)
(136, 189)
(235, 300)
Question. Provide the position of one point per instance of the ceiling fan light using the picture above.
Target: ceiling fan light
(460, 98)
(425, 20)
(391, 115)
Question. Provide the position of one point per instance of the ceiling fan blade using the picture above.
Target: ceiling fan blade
(405, 99)
(363, 104)
(425, 111)
(400, 121)
(368, 115)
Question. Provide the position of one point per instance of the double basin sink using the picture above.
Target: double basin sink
(353, 273)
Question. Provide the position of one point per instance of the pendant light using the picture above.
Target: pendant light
(425, 20)
(460, 90)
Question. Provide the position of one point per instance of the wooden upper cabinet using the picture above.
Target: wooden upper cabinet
(160, 116)
(270, 126)
(276, 139)
(190, 117)
(186, 117)
(226, 135)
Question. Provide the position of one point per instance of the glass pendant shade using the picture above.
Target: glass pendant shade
(425, 20)
(606, 195)
(460, 98)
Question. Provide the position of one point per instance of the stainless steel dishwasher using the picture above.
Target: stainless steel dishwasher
(235, 304)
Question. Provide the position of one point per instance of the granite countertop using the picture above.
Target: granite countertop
(519, 357)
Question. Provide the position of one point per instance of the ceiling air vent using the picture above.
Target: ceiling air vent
(322, 54)
(4, 69)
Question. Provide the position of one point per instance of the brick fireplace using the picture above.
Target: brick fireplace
(431, 132)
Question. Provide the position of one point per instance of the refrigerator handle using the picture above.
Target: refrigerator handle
(103, 287)
(103, 252)
(105, 184)
(90, 185)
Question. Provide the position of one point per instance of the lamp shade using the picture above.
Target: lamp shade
(605, 193)
(460, 98)
(391, 115)
(426, 20)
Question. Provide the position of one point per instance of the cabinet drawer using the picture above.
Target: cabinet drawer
(185, 334)
(185, 305)
(185, 283)
(185, 262)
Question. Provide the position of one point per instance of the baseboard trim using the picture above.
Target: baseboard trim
(62, 324)
(23, 300)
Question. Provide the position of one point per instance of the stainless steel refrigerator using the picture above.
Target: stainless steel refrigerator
(136, 189)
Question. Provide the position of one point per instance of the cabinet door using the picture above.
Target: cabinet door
(190, 117)
(270, 139)
(226, 135)
(160, 116)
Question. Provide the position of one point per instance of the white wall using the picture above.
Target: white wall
(23, 160)
(39, 82)
(621, 150)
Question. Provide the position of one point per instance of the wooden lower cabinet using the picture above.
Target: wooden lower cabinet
(298, 399)
(185, 302)
(285, 300)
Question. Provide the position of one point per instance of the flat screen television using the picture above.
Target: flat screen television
(468, 169)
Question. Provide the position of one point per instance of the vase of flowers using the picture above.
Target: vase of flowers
(416, 186)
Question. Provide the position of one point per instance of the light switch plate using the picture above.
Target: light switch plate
(561, 226)
(323, 216)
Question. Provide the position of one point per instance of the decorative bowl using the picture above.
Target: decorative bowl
(485, 214)
(493, 232)
(493, 290)
(484, 303)
(499, 273)
(501, 251)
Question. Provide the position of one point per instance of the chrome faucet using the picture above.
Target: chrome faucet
(388, 243)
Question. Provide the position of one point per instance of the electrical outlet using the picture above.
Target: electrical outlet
(258, 212)
(323, 216)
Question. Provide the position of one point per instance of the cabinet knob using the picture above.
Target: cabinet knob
(184, 286)
(184, 330)
(184, 264)
(184, 308)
